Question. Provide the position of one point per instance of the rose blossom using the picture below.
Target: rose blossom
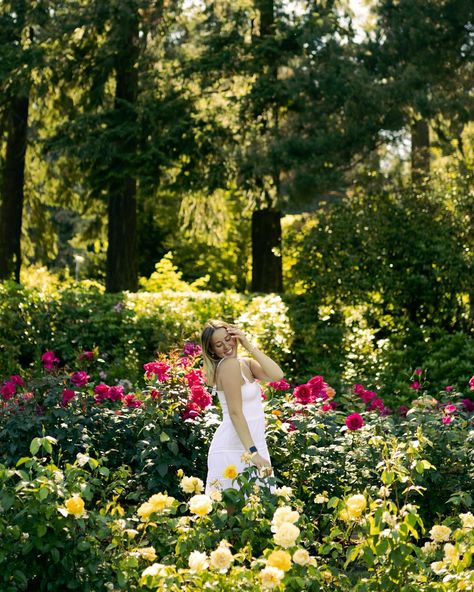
(419, 371)
(191, 349)
(280, 385)
(194, 378)
(471, 383)
(367, 396)
(49, 359)
(80, 378)
(158, 369)
(67, 396)
(17, 379)
(415, 385)
(402, 410)
(8, 390)
(468, 404)
(450, 408)
(130, 401)
(376, 404)
(354, 421)
(191, 411)
(449, 388)
(200, 396)
(115, 393)
(87, 355)
(304, 394)
(447, 419)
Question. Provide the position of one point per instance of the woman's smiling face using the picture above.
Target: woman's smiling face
(223, 344)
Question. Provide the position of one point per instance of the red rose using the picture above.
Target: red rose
(354, 421)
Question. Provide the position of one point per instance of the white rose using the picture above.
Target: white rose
(440, 533)
(301, 557)
(467, 520)
(284, 514)
(198, 561)
(200, 505)
(286, 535)
(221, 558)
(271, 577)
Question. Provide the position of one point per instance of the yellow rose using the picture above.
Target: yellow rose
(284, 514)
(221, 558)
(145, 510)
(230, 472)
(157, 569)
(280, 559)
(286, 535)
(198, 562)
(75, 505)
(438, 567)
(191, 485)
(440, 533)
(467, 520)
(147, 553)
(200, 505)
(301, 557)
(450, 553)
(160, 501)
(355, 505)
(321, 498)
(215, 495)
(270, 577)
(284, 491)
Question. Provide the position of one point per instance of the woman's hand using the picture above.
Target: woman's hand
(263, 465)
(239, 335)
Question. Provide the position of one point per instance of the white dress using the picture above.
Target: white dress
(226, 447)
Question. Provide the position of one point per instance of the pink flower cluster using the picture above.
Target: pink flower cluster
(9, 387)
(49, 360)
(371, 400)
(311, 391)
(115, 393)
(191, 349)
(160, 370)
(280, 385)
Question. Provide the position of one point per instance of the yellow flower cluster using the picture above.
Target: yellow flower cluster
(354, 506)
(75, 505)
(284, 528)
(156, 504)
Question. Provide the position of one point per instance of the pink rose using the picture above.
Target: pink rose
(354, 421)
(101, 392)
(67, 396)
(450, 408)
(80, 378)
(131, 401)
(194, 378)
(17, 379)
(415, 385)
(329, 406)
(367, 396)
(158, 369)
(468, 405)
(115, 393)
(376, 404)
(191, 349)
(418, 371)
(191, 411)
(87, 355)
(447, 419)
(8, 390)
(200, 397)
(280, 385)
(358, 389)
(304, 394)
(402, 410)
(471, 383)
(49, 359)
(449, 388)
(155, 394)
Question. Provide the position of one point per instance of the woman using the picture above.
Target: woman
(243, 423)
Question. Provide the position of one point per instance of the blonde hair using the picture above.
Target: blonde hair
(210, 359)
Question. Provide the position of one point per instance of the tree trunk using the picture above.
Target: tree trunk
(266, 251)
(420, 151)
(122, 264)
(11, 209)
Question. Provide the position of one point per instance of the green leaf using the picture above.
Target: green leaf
(333, 502)
(43, 493)
(164, 437)
(35, 445)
